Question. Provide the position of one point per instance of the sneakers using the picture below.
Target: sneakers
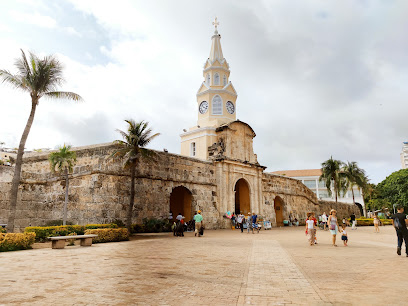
(399, 251)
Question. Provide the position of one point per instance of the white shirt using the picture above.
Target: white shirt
(324, 218)
(310, 224)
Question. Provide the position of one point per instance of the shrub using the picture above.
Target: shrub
(95, 226)
(3, 230)
(108, 234)
(370, 221)
(13, 241)
(42, 233)
(119, 223)
(138, 228)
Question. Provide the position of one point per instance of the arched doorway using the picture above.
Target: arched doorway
(360, 207)
(180, 202)
(242, 202)
(278, 203)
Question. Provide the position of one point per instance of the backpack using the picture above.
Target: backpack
(397, 224)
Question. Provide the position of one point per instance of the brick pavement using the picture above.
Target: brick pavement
(222, 268)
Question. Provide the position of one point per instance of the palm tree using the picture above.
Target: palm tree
(331, 174)
(138, 136)
(354, 176)
(40, 78)
(63, 161)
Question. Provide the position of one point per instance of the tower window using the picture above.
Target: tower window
(216, 79)
(217, 105)
(208, 79)
(225, 80)
(193, 149)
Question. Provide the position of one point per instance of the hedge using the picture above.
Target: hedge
(108, 234)
(43, 232)
(3, 230)
(370, 221)
(95, 226)
(13, 241)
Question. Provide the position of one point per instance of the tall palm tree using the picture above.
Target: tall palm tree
(354, 176)
(63, 161)
(40, 78)
(138, 136)
(331, 174)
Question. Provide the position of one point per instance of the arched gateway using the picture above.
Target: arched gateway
(242, 202)
(181, 202)
(278, 203)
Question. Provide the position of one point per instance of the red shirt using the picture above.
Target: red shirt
(315, 221)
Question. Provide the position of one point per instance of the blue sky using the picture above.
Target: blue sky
(314, 79)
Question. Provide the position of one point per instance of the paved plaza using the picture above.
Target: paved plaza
(224, 267)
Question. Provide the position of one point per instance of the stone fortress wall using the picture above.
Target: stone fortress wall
(99, 190)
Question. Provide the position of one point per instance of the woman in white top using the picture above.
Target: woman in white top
(332, 222)
(376, 223)
(310, 229)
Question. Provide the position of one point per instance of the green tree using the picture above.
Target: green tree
(63, 161)
(354, 176)
(331, 175)
(394, 189)
(138, 136)
(40, 78)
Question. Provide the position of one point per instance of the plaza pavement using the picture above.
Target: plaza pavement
(224, 267)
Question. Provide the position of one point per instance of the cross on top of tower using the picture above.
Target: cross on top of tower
(216, 24)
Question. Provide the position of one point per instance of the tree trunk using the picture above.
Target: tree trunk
(17, 170)
(352, 192)
(64, 220)
(132, 197)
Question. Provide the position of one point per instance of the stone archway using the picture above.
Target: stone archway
(278, 204)
(242, 198)
(360, 207)
(181, 202)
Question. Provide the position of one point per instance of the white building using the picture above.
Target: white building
(404, 155)
(311, 177)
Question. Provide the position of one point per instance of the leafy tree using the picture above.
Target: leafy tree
(138, 136)
(63, 161)
(40, 78)
(331, 174)
(354, 176)
(394, 188)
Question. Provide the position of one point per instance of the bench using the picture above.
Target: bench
(59, 241)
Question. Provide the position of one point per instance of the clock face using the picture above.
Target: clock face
(230, 107)
(203, 107)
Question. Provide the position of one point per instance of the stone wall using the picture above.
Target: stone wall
(297, 200)
(99, 189)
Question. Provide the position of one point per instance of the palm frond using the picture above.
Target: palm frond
(63, 95)
(13, 80)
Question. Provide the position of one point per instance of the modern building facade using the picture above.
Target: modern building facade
(404, 155)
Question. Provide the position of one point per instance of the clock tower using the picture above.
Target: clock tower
(216, 102)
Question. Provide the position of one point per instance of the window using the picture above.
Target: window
(217, 105)
(310, 184)
(323, 194)
(322, 184)
(216, 79)
(225, 80)
(193, 149)
(208, 79)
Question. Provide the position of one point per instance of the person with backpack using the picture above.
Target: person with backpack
(399, 220)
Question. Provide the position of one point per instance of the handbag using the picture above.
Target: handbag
(332, 227)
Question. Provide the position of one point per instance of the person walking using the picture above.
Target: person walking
(332, 221)
(198, 218)
(324, 220)
(254, 224)
(353, 221)
(310, 229)
(344, 236)
(249, 222)
(240, 220)
(376, 223)
(399, 221)
(315, 227)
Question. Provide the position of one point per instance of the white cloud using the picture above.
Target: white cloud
(34, 19)
(72, 31)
